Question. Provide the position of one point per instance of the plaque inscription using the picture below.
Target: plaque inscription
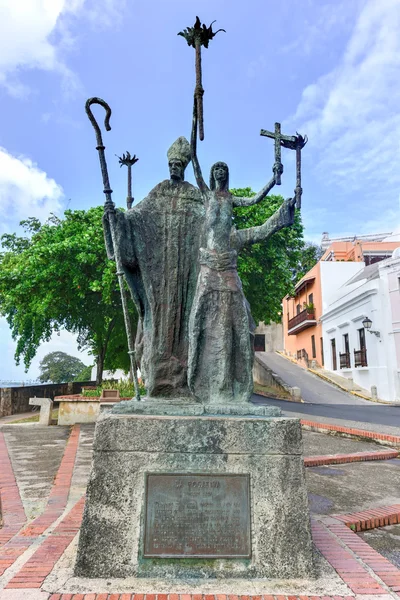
(197, 516)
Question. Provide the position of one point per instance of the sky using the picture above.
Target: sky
(326, 68)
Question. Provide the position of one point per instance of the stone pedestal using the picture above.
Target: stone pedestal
(130, 513)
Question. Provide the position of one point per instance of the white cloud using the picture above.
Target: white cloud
(25, 190)
(36, 34)
(351, 113)
(328, 21)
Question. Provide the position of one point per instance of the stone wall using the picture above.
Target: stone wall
(263, 375)
(15, 400)
(273, 336)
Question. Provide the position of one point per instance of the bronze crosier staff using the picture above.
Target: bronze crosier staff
(109, 206)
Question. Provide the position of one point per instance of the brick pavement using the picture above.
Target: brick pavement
(366, 573)
(13, 510)
(22, 539)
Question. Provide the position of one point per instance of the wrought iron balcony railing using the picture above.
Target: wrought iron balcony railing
(360, 358)
(344, 358)
(304, 319)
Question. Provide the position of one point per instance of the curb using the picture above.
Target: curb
(371, 519)
(380, 438)
(340, 459)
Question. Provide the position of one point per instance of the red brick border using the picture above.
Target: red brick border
(381, 438)
(42, 562)
(58, 497)
(342, 560)
(337, 459)
(13, 510)
(381, 566)
(370, 519)
(132, 596)
(18, 544)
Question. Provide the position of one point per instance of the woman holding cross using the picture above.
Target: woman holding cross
(220, 350)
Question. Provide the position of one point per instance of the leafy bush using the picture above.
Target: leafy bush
(125, 388)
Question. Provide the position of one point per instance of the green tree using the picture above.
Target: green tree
(58, 276)
(309, 256)
(267, 269)
(59, 367)
(85, 374)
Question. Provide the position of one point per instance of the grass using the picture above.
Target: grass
(35, 417)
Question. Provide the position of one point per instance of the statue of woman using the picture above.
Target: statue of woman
(220, 351)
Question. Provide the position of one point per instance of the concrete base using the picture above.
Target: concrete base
(46, 407)
(188, 407)
(127, 447)
(75, 411)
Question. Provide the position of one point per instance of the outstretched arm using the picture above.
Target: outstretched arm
(283, 217)
(242, 201)
(193, 147)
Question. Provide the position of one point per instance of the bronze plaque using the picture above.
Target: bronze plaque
(197, 516)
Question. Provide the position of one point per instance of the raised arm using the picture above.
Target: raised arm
(283, 217)
(242, 201)
(193, 147)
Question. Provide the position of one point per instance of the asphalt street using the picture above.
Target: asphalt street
(324, 399)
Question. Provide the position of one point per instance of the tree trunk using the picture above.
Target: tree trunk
(100, 366)
(101, 355)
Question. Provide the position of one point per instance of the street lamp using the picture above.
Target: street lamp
(367, 324)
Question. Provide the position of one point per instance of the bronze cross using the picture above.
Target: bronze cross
(280, 140)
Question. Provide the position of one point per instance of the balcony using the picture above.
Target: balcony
(303, 320)
(344, 359)
(360, 358)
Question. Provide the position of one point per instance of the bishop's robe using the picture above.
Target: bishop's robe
(159, 241)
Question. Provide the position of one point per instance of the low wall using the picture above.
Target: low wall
(264, 376)
(15, 400)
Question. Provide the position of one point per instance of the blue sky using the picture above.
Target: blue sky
(328, 68)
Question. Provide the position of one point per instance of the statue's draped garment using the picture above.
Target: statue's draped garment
(159, 241)
(220, 348)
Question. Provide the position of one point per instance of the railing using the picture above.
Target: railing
(304, 315)
(360, 358)
(344, 358)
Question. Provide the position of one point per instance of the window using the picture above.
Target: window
(334, 359)
(313, 349)
(360, 356)
(346, 343)
(298, 309)
(361, 338)
(311, 299)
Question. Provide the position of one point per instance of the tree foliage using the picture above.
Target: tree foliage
(85, 374)
(309, 256)
(58, 276)
(268, 270)
(59, 367)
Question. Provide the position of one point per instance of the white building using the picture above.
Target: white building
(371, 357)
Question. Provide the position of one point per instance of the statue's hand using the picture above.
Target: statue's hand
(289, 210)
(109, 208)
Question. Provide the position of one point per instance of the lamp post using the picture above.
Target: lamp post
(367, 324)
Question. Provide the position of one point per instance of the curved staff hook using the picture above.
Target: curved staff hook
(112, 222)
(100, 146)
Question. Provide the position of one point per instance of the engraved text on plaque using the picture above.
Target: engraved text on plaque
(197, 516)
